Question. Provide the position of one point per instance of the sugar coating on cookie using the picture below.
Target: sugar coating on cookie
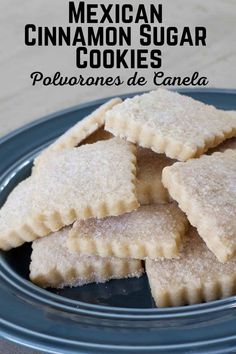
(79, 132)
(150, 188)
(194, 277)
(151, 231)
(205, 189)
(170, 123)
(53, 265)
(14, 224)
(149, 170)
(94, 180)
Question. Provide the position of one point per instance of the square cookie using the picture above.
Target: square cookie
(79, 132)
(170, 123)
(151, 231)
(149, 185)
(94, 180)
(14, 215)
(195, 277)
(205, 189)
(52, 265)
(70, 183)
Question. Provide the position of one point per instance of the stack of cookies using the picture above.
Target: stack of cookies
(144, 184)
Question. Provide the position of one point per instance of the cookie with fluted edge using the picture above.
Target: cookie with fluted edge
(94, 180)
(91, 181)
(14, 224)
(194, 277)
(79, 132)
(205, 190)
(151, 231)
(52, 265)
(170, 123)
(149, 186)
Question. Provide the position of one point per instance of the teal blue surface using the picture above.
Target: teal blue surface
(116, 317)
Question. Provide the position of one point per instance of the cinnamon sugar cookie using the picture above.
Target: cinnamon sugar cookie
(94, 180)
(205, 189)
(170, 123)
(149, 186)
(14, 215)
(149, 171)
(151, 231)
(52, 265)
(79, 132)
(194, 277)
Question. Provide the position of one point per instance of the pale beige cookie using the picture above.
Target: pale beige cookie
(170, 123)
(227, 144)
(149, 171)
(14, 224)
(94, 180)
(79, 132)
(151, 231)
(195, 277)
(205, 189)
(52, 265)
(149, 185)
(232, 113)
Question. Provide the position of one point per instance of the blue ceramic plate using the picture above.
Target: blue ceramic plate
(116, 317)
